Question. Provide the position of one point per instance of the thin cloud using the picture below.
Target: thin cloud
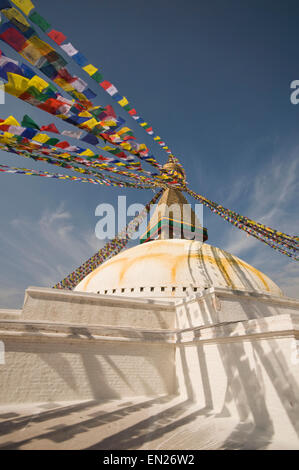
(273, 200)
(41, 252)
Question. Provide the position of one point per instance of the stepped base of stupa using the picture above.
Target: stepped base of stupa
(215, 369)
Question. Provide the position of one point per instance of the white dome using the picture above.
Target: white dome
(171, 268)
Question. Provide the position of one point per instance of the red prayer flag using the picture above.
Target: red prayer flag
(110, 111)
(132, 112)
(51, 105)
(63, 73)
(57, 36)
(63, 145)
(105, 84)
(50, 128)
(15, 39)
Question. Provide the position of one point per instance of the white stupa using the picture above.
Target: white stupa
(171, 323)
(175, 268)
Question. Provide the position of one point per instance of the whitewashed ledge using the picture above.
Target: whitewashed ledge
(228, 293)
(8, 313)
(62, 306)
(281, 326)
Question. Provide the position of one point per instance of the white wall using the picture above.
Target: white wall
(41, 371)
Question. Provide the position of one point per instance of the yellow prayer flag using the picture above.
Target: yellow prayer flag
(108, 123)
(24, 5)
(90, 124)
(143, 124)
(42, 138)
(16, 85)
(11, 121)
(87, 153)
(90, 69)
(61, 116)
(125, 145)
(107, 148)
(64, 155)
(13, 13)
(79, 95)
(66, 86)
(7, 137)
(142, 147)
(38, 83)
(31, 53)
(85, 114)
(157, 138)
(40, 45)
(123, 101)
(123, 130)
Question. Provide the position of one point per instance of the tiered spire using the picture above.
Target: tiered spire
(173, 216)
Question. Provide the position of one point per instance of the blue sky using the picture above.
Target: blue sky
(213, 78)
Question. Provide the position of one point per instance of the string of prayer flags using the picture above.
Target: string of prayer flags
(53, 65)
(41, 144)
(111, 248)
(46, 174)
(39, 93)
(284, 243)
(59, 38)
(6, 145)
(12, 126)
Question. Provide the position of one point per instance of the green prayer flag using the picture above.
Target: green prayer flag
(96, 112)
(35, 93)
(28, 122)
(52, 141)
(39, 21)
(97, 77)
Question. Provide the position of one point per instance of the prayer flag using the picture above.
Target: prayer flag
(69, 49)
(50, 128)
(90, 69)
(80, 59)
(90, 139)
(14, 38)
(57, 36)
(39, 21)
(42, 138)
(25, 5)
(123, 102)
(111, 90)
(87, 153)
(97, 77)
(16, 84)
(16, 18)
(38, 83)
(28, 122)
(10, 121)
(75, 135)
